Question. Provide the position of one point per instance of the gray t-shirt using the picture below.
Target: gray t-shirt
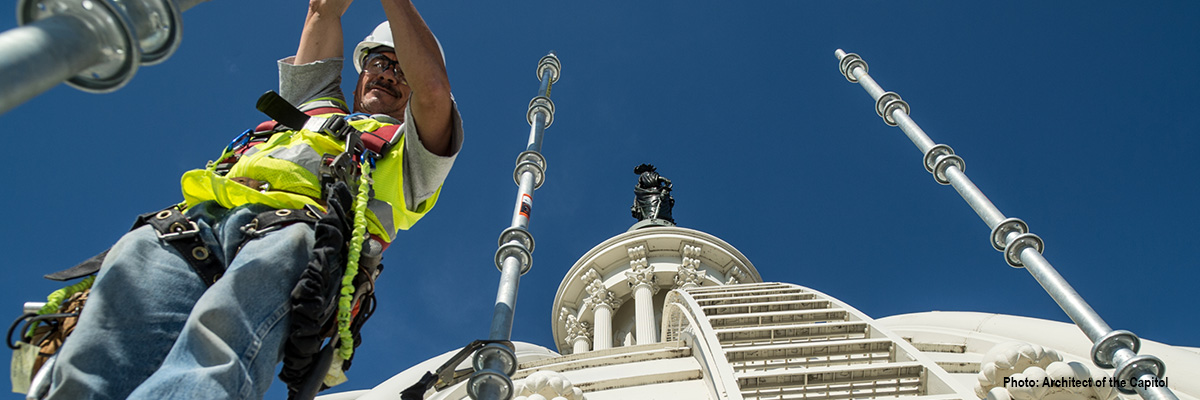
(424, 171)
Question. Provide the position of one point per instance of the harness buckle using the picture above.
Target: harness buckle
(179, 230)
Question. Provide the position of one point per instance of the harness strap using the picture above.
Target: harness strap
(382, 139)
(276, 219)
(181, 233)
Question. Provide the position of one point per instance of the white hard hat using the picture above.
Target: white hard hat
(381, 37)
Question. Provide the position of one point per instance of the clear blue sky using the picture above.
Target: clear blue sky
(1078, 117)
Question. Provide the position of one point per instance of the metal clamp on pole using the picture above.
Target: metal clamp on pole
(496, 363)
(93, 45)
(1111, 349)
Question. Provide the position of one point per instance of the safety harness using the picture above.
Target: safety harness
(335, 294)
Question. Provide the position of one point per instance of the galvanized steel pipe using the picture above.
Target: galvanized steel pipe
(1111, 349)
(94, 45)
(495, 363)
(35, 58)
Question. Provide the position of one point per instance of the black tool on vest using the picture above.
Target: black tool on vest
(278, 109)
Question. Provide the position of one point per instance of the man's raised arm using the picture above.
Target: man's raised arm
(421, 62)
(322, 34)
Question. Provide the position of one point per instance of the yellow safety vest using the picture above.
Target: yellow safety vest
(289, 162)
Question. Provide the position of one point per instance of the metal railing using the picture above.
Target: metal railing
(495, 363)
(1111, 349)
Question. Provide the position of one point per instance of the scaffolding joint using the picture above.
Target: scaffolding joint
(888, 103)
(848, 63)
(516, 234)
(1012, 252)
(532, 162)
(549, 61)
(493, 364)
(517, 251)
(543, 105)
(1006, 227)
(1134, 368)
(107, 21)
(934, 152)
(1105, 350)
(944, 162)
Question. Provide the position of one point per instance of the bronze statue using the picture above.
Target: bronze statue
(653, 193)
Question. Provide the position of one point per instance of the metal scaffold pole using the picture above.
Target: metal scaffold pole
(1111, 348)
(495, 363)
(93, 45)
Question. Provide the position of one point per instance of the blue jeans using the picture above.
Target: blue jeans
(152, 330)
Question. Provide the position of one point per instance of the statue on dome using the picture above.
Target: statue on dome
(653, 195)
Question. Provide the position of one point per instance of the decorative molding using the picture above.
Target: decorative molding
(569, 322)
(644, 276)
(735, 276)
(579, 330)
(637, 256)
(689, 269)
(590, 276)
(1019, 361)
(640, 271)
(548, 385)
(564, 313)
(691, 255)
(597, 293)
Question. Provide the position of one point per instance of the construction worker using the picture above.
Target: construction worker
(157, 326)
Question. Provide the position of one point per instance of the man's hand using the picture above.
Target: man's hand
(329, 7)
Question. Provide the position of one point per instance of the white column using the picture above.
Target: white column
(603, 329)
(602, 302)
(643, 299)
(641, 278)
(580, 345)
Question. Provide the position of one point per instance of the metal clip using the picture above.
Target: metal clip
(179, 231)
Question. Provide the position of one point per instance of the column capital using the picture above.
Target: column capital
(599, 296)
(642, 277)
(579, 330)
